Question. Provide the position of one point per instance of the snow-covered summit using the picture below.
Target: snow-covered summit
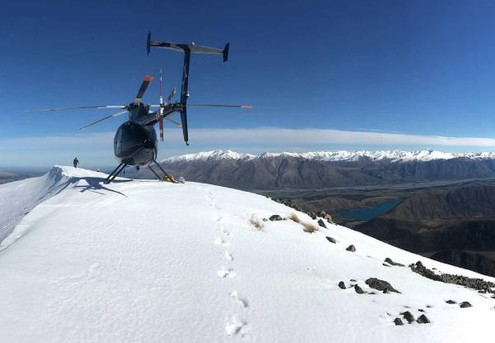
(211, 155)
(158, 262)
(335, 156)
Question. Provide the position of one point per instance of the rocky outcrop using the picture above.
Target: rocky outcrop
(478, 284)
(468, 260)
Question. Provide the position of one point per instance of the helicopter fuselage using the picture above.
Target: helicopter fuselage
(135, 142)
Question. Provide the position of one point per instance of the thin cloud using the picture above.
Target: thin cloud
(265, 135)
(292, 137)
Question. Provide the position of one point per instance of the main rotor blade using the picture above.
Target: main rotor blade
(246, 107)
(76, 108)
(102, 119)
(144, 85)
(229, 106)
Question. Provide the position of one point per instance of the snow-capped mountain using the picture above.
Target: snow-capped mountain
(316, 170)
(335, 156)
(159, 262)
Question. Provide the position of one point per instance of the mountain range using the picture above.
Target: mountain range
(317, 170)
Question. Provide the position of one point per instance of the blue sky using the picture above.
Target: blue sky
(335, 70)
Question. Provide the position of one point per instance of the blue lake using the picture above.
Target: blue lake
(368, 213)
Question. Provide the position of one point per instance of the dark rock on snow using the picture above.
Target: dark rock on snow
(398, 321)
(465, 304)
(408, 316)
(322, 223)
(275, 217)
(392, 263)
(478, 284)
(423, 319)
(331, 240)
(380, 285)
(451, 302)
(351, 248)
(358, 289)
(342, 284)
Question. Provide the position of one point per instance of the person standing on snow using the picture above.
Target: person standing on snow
(75, 162)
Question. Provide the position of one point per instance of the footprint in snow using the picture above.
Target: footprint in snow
(235, 297)
(226, 272)
(234, 327)
(228, 256)
(216, 218)
(220, 242)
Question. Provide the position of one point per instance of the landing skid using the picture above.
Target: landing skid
(165, 177)
(115, 173)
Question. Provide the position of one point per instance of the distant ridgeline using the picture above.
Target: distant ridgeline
(326, 169)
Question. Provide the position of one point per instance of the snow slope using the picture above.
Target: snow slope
(336, 156)
(145, 261)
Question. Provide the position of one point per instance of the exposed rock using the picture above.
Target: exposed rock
(331, 240)
(358, 289)
(351, 248)
(353, 280)
(420, 310)
(392, 263)
(451, 302)
(275, 217)
(423, 319)
(465, 281)
(342, 285)
(326, 216)
(322, 223)
(408, 316)
(322, 214)
(465, 304)
(398, 321)
(380, 285)
(386, 265)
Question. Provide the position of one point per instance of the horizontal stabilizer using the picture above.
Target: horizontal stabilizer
(188, 47)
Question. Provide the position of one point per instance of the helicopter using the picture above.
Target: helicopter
(136, 142)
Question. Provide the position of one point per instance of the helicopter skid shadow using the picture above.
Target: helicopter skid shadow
(95, 184)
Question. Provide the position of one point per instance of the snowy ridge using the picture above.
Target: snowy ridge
(335, 156)
(18, 198)
(152, 261)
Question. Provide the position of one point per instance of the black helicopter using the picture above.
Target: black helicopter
(135, 142)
